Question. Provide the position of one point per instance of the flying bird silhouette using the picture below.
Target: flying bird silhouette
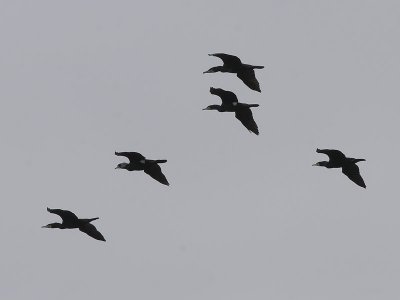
(71, 221)
(348, 164)
(230, 103)
(137, 162)
(232, 64)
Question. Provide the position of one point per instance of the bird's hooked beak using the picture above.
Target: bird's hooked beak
(316, 165)
(46, 226)
(121, 166)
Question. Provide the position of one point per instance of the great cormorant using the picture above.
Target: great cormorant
(338, 160)
(71, 221)
(232, 64)
(137, 162)
(230, 103)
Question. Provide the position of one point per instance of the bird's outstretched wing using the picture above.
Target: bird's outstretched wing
(229, 60)
(154, 170)
(249, 78)
(65, 215)
(227, 97)
(352, 171)
(91, 230)
(132, 156)
(245, 116)
(334, 155)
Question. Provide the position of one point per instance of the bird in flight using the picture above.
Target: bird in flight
(348, 164)
(230, 103)
(137, 162)
(232, 64)
(71, 221)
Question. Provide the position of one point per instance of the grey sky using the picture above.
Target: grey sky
(245, 217)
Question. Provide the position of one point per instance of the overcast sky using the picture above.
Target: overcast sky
(245, 216)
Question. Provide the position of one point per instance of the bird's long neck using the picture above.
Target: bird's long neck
(54, 225)
(222, 69)
(216, 107)
(323, 164)
(218, 69)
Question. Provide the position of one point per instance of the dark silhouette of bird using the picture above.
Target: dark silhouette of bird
(348, 164)
(232, 64)
(137, 162)
(71, 221)
(230, 103)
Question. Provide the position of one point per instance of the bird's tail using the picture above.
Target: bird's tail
(89, 220)
(161, 161)
(356, 160)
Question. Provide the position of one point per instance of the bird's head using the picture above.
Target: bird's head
(321, 164)
(213, 70)
(122, 166)
(52, 225)
(212, 107)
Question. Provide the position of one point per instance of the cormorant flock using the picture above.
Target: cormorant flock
(230, 103)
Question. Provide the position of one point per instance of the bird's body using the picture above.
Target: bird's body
(137, 162)
(230, 103)
(244, 72)
(71, 221)
(348, 164)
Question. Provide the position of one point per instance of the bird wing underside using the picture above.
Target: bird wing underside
(154, 170)
(132, 156)
(249, 78)
(91, 230)
(353, 173)
(245, 116)
(229, 60)
(227, 97)
(65, 215)
(334, 155)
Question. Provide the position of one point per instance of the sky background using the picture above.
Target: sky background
(245, 216)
